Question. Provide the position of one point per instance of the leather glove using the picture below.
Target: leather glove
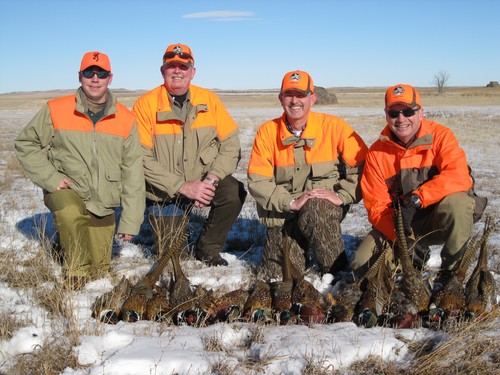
(409, 205)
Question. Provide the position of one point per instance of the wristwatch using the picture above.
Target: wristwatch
(415, 201)
(212, 181)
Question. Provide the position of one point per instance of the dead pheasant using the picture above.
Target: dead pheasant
(450, 299)
(107, 307)
(134, 308)
(281, 291)
(377, 289)
(413, 286)
(258, 305)
(480, 290)
(347, 296)
(225, 308)
(158, 307)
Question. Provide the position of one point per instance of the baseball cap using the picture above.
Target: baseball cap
(402, 94)
(298, 80)
(95, 59)
(178, 53)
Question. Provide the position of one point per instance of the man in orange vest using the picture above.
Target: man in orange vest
(420, 163)
(84, 151)
(304, 174)
(191, 148)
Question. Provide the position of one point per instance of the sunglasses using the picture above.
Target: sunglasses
(407, 112)
(100, 73)
(182, 55)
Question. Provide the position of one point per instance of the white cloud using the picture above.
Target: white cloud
(221, 15)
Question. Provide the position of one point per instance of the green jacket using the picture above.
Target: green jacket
(104, 161)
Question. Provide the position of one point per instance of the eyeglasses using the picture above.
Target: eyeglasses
(182, 55)
(101, 74)
(407, 112)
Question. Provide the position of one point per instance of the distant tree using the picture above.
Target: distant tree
(440, 80)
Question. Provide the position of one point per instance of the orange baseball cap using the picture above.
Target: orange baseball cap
(402, 94)
(178, 53)
(95, 59)
(297, 80)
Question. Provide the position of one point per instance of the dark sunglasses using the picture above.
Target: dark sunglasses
(182, 55)
(407, 112)
(100, 73)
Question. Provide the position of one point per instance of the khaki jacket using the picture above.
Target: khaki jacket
(329, 154)
(176, 151)
(104, 161)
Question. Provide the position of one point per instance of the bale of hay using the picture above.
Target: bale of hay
(324, 97)
(493, 84)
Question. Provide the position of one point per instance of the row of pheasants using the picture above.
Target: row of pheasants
(382, 297)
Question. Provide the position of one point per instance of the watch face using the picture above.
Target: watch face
(415, 200)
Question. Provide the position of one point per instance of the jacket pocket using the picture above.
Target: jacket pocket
(324, 175)
(79, 175)
(111, 193)
(209, 153)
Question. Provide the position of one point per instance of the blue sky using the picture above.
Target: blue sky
(252, 44)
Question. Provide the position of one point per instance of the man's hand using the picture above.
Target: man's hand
(201, 192)
(320, 193)
(408, 210)
(124, 236)
(64, 184)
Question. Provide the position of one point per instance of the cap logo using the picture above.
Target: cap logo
(295, 77)
(398, 91)
(95, 56)
(177, 50)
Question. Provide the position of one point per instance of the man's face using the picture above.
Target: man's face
(297, 105)
(177, 77)
(404, 121)
(94, 87)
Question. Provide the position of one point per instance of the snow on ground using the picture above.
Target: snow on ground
(153, 348)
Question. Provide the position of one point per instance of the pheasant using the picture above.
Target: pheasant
(134, 308)
(281, 291)
(225, 308)
(413, 286)
(376, 291)
(107, 307)
(450, 299)
(308, 304)
(158, 306)
(346, 298)
(258, 305)
(480, 290)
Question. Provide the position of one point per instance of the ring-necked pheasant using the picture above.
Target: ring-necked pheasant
(480, 290)
(258, 305)
(107, 307)
(377, 289)
(412, 285)
(450, 299)
(134, 308)
(281, 291)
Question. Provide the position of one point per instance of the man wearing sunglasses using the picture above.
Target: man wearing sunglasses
(191, 148)
(304, 174)
(84, 151)
(420, 163)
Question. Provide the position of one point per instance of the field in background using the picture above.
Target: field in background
(472, 113)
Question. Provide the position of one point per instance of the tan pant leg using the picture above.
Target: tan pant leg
(449, 222)
(366, 252)
(101, 231)
(71, 220)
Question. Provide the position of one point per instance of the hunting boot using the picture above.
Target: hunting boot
(225, 208)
